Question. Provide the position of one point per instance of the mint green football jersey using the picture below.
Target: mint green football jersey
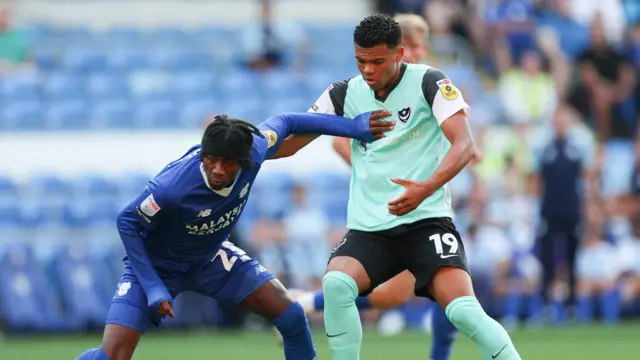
(422, 99)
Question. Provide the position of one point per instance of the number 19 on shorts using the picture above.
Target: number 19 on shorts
(448, 239)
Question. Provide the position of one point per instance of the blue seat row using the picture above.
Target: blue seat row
(71, 290)
(43, 34)
(51, 201)
(151, 84)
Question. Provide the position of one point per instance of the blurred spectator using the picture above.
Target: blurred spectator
(605, 91)
(611, 12)
(596, 273)
(268, 42)
(528, 93)
(573, 36)
(631, 10)
(269, 241)
(634, 193)
(448, 28)
(414, 32)
(489, 253)
(629, 254)
(14, 50)
(510, 25)
(561, 166)
(307, 231)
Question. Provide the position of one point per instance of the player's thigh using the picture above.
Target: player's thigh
(394, 292)
(368, 257)
(129, 305)
(128, 318)
(434, 253)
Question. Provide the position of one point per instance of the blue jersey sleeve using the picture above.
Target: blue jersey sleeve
(277, 128)
(142, 214)
(150, 206)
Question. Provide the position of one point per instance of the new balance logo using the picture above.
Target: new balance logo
(204, 213)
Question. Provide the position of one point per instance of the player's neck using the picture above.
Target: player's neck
(384, 92)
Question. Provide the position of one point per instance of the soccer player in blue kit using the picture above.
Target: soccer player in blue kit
(175, 232)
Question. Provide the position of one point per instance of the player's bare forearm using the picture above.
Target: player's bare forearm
(456, 129)
(292, 144)
(343, 147)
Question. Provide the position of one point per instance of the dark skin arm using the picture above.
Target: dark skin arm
(343, 147)
(456, 129)
(293, 143)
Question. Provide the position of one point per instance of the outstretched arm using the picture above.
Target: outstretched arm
(365, 127)
(331, 102)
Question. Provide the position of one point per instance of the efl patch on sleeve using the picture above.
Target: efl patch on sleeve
(449, 91)
(149, 206)
(272, 137)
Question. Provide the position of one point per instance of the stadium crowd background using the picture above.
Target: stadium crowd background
(80, 91)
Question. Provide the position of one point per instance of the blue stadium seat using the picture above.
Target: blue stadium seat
(62, 86)
(45, 57)
(10, 215)
(28, 303)
(318, 82)
(75, 35)
(331, 33)
(240, 84)
(122, 37)
(112, 114)
(24, 115)
(67, 115)
(94, 186)
(252, 109)
(47, 189)
(39, 34)
(266, 188)
(290, 104)
(193, 113)
(197, 83)
(84, 282)
(125, 60)
(9, 189)
(168, 37)
(132, 184)
(330, 191)
(280, 84)
(215, 38)
(102, 86)
(151, 85)
(156, 114)
(18, 88)
(83, 59)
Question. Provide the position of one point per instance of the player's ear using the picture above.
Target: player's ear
(399, 54)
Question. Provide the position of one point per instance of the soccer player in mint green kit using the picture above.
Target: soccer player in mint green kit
(399, 215)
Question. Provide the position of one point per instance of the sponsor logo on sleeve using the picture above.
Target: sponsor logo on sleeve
(449, 91)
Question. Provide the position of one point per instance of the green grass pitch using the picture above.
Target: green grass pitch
(583, 343)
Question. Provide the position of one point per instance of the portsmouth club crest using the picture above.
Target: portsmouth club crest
(404, 114)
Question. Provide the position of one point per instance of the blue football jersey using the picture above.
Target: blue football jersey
(184, 219)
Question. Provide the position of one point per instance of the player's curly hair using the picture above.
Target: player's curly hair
(229, 137)
(377, 30)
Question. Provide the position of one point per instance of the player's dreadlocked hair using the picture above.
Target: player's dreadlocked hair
(230, 138)
(377, 30)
